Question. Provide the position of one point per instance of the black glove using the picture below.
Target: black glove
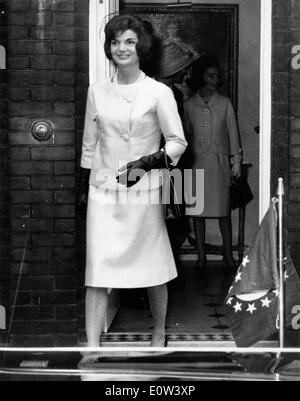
(83, 190)
(146, 163)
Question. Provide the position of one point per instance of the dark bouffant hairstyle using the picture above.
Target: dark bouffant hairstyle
(199, 69)
(122, 23)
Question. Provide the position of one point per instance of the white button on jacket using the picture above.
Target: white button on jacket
(212, 127)
(117, 132)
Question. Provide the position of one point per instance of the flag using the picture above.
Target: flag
(252, 302)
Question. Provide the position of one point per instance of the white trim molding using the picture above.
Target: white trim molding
(100, 10)
(100, 68)
(265, 108)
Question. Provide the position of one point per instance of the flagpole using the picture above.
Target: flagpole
(280, 194)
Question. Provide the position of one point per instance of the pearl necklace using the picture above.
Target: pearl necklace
(128, 92)
(115, 79)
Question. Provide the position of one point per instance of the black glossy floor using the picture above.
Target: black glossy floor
(195, 311)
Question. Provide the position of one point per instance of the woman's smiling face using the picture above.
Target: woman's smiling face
(123, 49)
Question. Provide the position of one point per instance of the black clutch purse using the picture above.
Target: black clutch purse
(175, 208)
(240, 193)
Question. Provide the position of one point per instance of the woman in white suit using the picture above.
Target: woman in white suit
(127, 241)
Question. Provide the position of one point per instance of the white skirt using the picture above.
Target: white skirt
(127, 242)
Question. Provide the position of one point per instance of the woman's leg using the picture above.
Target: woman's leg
(200, 228)
(96, 306)
(226, 231)
(158, 300)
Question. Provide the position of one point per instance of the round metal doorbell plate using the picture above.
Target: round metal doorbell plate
(42, 130)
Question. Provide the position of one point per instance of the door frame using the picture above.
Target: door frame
(265, 108)
(100, 10)
(100, 68)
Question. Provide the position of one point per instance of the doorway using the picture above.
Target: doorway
(243, 72)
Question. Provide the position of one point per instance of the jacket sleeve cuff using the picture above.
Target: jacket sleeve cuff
(175, 150)
(86, 164)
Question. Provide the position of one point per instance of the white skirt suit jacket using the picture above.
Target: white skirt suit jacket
(127, 242)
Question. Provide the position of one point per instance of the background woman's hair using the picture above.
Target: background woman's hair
(199, 69)
(144, 31)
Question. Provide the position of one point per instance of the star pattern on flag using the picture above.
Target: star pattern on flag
(229, 301)
(251, 308)
(238, 277)
(238, 307)
(266, 302)
(245, 261)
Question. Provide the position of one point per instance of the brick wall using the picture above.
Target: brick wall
(4, 204)
(280, 100)
(286, 117)
(286, 126)
(42, 76)
(294, 143)
(280, 87)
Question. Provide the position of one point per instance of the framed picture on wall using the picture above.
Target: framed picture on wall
(206, 29)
